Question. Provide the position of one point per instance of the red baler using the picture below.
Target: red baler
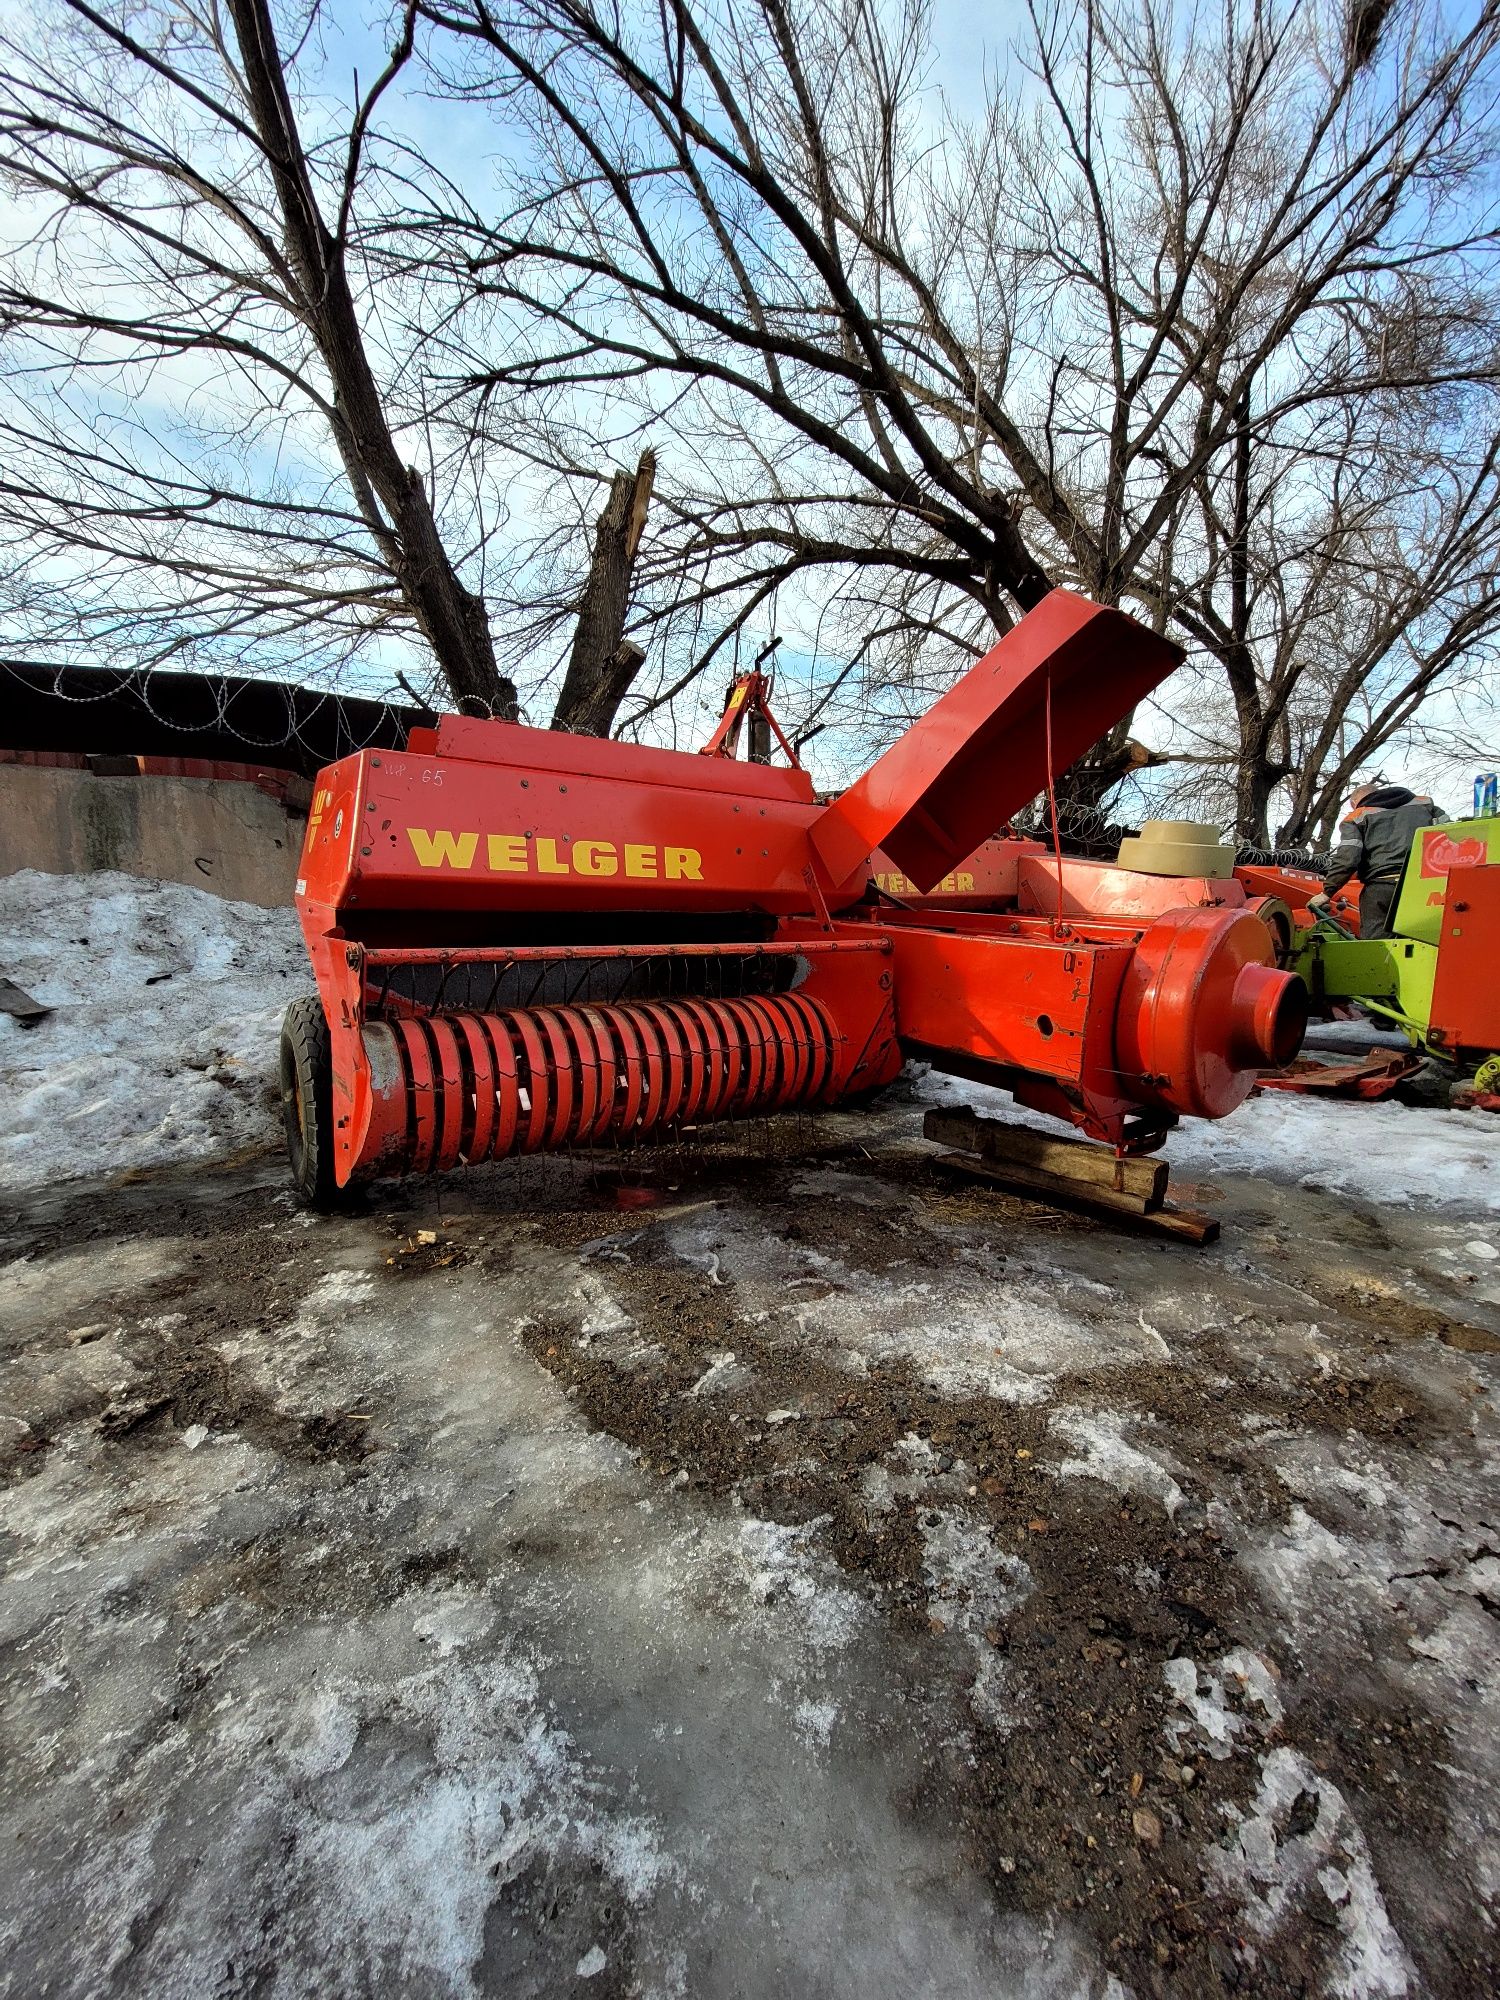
(525, 941)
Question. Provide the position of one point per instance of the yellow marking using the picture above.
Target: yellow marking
(435, 850)
(507, 852)
(595, 857)
(520, 854)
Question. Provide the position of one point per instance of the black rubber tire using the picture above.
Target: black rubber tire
(307, 1102)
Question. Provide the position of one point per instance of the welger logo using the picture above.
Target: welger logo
(960, 884)
(519, 854)
(1440, 852)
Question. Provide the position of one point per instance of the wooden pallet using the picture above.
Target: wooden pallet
(1067, 1173)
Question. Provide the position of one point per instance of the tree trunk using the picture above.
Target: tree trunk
(390, 495)
(1083, 788)
(603, 662)
(1255, 781)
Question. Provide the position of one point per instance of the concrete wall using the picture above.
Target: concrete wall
(212, 834)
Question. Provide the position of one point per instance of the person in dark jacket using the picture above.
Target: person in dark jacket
(1374, 841)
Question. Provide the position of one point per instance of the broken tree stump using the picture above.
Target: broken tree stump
(1067, 1173)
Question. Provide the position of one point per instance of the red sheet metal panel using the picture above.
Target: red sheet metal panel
(402, 832)
(554, 752)
(980, 752)
(1466, 989)
(987, 879)
(1103, 889)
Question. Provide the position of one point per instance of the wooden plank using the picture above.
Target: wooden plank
(1186, 1224)
(1079, 1160)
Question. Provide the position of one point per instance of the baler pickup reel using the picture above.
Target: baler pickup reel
(526, 941)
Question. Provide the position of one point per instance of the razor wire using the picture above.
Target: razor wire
(358, 721)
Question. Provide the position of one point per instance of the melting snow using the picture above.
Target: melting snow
(1099, 1435)
(1271, 1866)
(964, 1333)
(1203, 1692)
(1405, 1155)
(780, 1564)
(972, 1588)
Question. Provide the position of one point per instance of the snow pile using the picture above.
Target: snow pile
(164, 1041)
(1393, 1155)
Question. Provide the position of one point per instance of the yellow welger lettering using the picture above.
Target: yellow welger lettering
(547, 862)
(440, 849)
(508, 854)
(639, 860)
(595, 857)
(684, 864)
(966, 885)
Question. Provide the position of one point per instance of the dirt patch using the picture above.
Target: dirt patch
(426, 1251)
(1077, 1800)
(1409, 1319)
(1048, 1715)
(1052, 1801)
(189, 1382)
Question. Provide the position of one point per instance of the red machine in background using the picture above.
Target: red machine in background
(526, 941)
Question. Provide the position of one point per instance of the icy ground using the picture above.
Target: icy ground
(163, 1044)
(778, 1569)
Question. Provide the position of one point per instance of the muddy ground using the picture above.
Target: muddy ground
(780, 1568)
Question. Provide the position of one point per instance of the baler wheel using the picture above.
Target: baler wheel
(307, 1102)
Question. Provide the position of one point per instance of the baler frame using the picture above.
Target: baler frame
(433, 880)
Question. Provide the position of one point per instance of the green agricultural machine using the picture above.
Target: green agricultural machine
(1436, 978)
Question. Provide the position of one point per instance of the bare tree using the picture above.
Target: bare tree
(914, 367)
(209, 436)
(1333, 610)
(1196, 314)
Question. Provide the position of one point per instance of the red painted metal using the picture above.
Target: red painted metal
(1466, 991)
(749, 696)
(1203, 1008)
(1296, 887)
(1375, 1076)
(1024, 876)
(1176, 1020)
(979, 754)
(584, 1073)
(526, 941)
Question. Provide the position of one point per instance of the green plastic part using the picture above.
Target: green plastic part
(1424, 885)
